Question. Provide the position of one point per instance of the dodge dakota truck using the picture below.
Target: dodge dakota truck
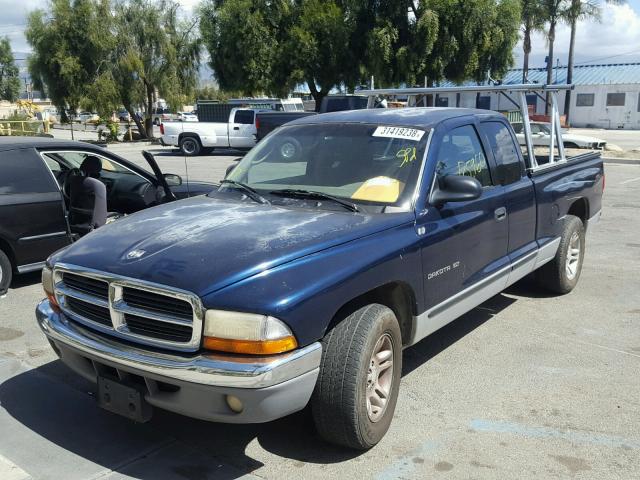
(338, 241)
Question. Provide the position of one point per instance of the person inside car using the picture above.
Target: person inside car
(88, 197)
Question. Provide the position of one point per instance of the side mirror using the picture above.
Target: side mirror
(172, 179)
(455, 188)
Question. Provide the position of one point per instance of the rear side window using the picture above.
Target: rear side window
(461, 153)
(504, 150)
(23, 171)
(244, 117)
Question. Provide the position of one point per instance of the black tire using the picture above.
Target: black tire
(6, 273)
(190, 146)
(339, 402)
(556, 275)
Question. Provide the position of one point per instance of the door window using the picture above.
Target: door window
(461, 153)
(504, 151)
(75, 159)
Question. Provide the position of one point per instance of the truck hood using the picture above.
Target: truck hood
(204, 244)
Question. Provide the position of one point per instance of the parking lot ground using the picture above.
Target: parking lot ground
(527, 385)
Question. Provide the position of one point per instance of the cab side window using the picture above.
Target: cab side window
(461, 153)
(504, 150)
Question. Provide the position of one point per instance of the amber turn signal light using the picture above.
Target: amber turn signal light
(251, 347)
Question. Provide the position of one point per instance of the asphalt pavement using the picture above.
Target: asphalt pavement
(527, 385)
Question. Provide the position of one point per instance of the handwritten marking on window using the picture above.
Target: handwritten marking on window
(473, 166)
(408, 155)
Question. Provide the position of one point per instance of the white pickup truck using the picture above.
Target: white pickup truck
(194, 137)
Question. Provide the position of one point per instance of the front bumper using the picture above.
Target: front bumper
(192, 385)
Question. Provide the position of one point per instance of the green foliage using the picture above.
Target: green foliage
(242, 41)
(99, 54)
(71, 43)
(9, 79)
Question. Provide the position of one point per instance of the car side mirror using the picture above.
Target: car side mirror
(455, 188)
(172, 179)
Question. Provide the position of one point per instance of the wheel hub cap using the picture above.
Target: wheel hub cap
(379, 378)
(573, 256)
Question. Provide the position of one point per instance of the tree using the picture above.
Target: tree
(579, 10)
(100, 55)
(532, 21)
(320, 48)
(71, 45)
(554, 11)
(9, 79)
(241, 37)
(157, 54)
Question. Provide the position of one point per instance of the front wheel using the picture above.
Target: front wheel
(359, 379)
(6, 273)
(561, 274)
(190, 146)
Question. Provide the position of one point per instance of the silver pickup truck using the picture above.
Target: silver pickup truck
(194, 138)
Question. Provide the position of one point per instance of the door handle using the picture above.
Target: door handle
(500, 214)
(236, 128)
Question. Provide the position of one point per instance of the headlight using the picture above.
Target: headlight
(246, 333)
(47, 286)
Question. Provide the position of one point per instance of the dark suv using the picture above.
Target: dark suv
(34, 205)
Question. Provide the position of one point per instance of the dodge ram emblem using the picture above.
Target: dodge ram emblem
(133, 254)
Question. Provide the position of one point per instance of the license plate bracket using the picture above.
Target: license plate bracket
(124, 399)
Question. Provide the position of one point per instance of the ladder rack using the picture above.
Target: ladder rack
(415, 95)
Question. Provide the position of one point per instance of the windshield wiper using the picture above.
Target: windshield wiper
(251, 193)
(291, 192)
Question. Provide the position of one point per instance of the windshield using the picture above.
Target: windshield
(364, 163)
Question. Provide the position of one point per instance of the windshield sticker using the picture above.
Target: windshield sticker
(399, 132)
(407, 155)
(473, 166)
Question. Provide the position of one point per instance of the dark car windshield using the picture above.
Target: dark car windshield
(364, 163)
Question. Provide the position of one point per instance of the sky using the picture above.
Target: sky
(615, 39)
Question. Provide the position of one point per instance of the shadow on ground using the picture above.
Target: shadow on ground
(68, 424)
(25, 279)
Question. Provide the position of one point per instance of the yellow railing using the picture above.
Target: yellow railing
(23, 127)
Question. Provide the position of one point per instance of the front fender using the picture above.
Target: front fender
(307, 293)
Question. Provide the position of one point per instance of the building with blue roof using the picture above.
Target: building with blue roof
(605, 95)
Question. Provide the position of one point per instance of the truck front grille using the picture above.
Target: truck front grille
(157, 303)
(88, 285)
(137, 311)
(88, 310)
(155, 329)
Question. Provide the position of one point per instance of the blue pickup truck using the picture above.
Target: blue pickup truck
(338, 241)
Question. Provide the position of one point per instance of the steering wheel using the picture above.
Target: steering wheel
(66, 183)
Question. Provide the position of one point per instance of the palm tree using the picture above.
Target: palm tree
(579, 10)
(532, 20)
(555, 11)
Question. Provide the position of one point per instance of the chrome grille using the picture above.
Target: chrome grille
(158, 303)
(94, 313)
(135, 310)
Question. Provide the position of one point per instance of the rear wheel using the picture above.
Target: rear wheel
(6, 273)
(190, 146)
(561, 274)
(359, 379)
